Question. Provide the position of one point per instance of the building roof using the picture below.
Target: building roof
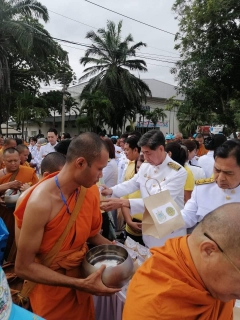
(11, 130)
(159, 89)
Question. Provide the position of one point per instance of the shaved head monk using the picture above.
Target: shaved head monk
(191, 277)
(13, 176)
(53, 162)
(60, 292)
(23, 154)
(8, 143)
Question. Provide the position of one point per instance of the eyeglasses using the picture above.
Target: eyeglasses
(226, 256)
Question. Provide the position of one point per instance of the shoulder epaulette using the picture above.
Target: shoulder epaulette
(204, 181)
(174, 166)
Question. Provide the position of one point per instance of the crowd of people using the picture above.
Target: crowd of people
(193, 269)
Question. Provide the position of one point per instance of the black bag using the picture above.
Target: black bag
(108, 227)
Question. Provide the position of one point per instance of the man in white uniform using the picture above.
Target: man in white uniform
(52, 136)
(224, 188)
(159, 172)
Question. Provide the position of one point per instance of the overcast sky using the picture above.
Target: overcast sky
(160, 45)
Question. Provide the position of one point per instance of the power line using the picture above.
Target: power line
(146, 24)
(72, 19)
(97, 28)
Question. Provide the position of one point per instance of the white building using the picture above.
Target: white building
(161, 92)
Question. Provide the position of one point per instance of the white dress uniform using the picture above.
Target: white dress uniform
(46, 149)
(110, 173)
(207, 163)
(170, 177)
(197, 172)
(207, 196)
(122, 167)
(118, 153)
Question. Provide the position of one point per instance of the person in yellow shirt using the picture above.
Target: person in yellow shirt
(134, 223)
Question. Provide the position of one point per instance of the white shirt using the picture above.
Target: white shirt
(197, 172)
(168, 178)
(122, 167)
(33, 150)
(204, 199)
(46, 149)
(207, 163)
(110, 173)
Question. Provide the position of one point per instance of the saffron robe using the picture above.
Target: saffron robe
(54, 303)
(167, 286)
(25, 175)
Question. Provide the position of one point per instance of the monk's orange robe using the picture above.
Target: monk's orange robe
(55, 303)
(25, 175)
(168, 287)
(201, 151)
(26, 164)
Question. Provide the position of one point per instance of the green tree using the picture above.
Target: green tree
(208, 41)
(28, 54)
(111, 60)
(156, 115)
(97, 107)
(28, 108)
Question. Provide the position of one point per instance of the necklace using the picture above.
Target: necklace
(62, 195)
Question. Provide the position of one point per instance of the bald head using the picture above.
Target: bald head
(53, 162)
(10, 151)
(9, 143)
(223, 224)
(87, 145)
(21, 148)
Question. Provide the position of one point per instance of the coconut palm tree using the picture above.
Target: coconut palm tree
(21, 35)
(111, 60)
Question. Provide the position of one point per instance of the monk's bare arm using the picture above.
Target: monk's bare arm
(98, 239)
(35, 218)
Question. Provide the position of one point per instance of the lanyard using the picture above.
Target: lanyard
(62, 195)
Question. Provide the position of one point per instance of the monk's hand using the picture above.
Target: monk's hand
(25, 186)
(105, 191)
(14, 184)
(93, 284)
(113, 203)
(135, 226)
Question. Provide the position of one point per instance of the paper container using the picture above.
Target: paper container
(162, 215)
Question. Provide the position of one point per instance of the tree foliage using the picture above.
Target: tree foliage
(28, 54)
(111, 60)
(208, 71)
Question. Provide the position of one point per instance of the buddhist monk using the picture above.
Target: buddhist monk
(13, 176)
(60, 292)
(192, 277)
(23, 154)
(53, 162)
(8, 143)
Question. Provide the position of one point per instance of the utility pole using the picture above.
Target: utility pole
(63, 108)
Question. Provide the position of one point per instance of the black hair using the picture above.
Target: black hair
(110, 147)
(62, 146)
(136, 134)
(101, 134)
(215, 141)
(33, 139)
(87, 145)
(53, 130)
(178, 152)
(199, 136)
(19, 141)
(66, 135)
(141, 159)
(230, 148)
(133, 143)
(190, 144)
(53, 162)
(152, 139)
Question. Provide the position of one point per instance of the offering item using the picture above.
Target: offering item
(119, 264)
